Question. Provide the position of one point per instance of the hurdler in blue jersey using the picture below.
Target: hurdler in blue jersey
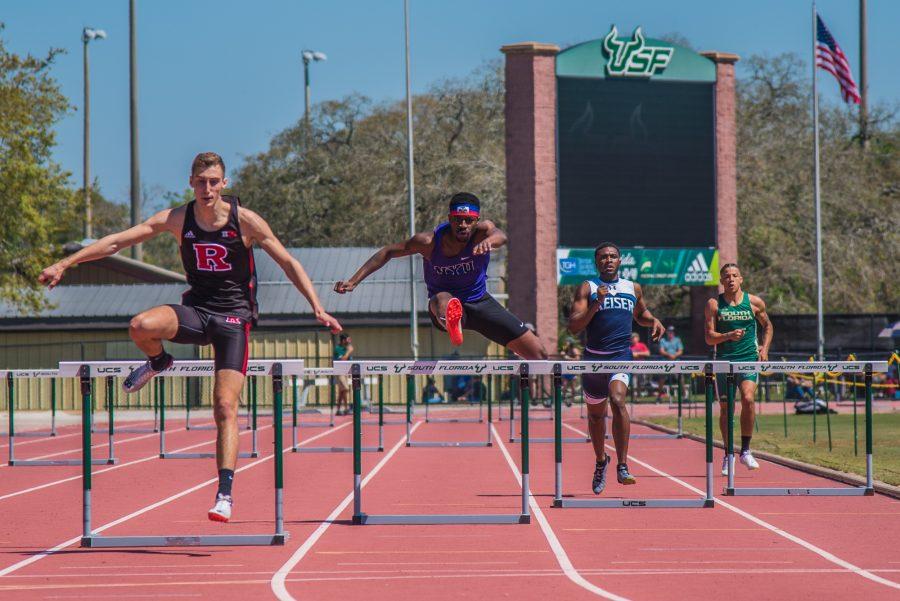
(604, 308)
(215, 235)
(455, 258)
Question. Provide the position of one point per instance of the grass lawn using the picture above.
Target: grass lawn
(799, 442)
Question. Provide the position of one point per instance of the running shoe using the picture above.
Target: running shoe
(748, 460)
(143, 374)
(725, 465)
(599, 482)
(221, 511)
(454, 321)
(623, 476)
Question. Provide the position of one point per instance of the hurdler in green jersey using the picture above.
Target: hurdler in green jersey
(731, 327)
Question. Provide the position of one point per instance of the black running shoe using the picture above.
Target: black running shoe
(599, 481)
(623, 476)
(143, 374)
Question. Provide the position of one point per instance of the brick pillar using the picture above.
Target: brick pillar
(726, 186)
(531, 202)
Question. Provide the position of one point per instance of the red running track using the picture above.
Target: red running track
(774, 548)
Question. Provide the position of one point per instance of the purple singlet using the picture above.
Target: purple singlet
(464, 275)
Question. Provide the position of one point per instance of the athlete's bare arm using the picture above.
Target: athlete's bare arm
(488, 237)
(582, 309)
(762, 317)
(644, 317)
(421, 243)
(712, 336)
(259, 232)
(167, 220)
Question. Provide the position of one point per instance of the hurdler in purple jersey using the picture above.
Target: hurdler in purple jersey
(455, 258)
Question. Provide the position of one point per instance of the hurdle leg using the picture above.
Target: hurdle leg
(11, 403)
(277, 389)
(680, 399)
(557, 431)
(410, 397)
(357, 445)
(512, 411)
(110, 403)
(729, 444)
(490, 417)
(870, 490)
(709, 380)
(85, 379)
(525, 518)
(162, 423)
(254, 452)
(380, 416)
(294, 413)
(52, 406)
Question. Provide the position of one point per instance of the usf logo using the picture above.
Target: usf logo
(634, 58)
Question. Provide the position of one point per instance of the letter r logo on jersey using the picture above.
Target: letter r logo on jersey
(211, 257)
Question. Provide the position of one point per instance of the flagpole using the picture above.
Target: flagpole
(820, 338)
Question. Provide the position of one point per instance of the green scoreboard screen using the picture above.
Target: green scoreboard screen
(636, 162)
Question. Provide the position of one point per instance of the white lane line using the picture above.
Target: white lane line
(278, 579)
(72, 541)
(793, 538)
(561, 557)
(31, 440)
(115, 467)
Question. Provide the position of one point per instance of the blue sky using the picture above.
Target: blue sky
(226, 75)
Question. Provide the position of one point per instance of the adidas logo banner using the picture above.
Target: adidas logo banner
(645, 266)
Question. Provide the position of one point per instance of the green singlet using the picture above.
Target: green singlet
(734, 317)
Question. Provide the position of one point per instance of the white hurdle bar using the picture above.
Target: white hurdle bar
(709, 368)
(86, 370)
(360, 369)
(866, 368)
(16, 374)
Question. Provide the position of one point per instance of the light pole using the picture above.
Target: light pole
(88, 34)
(309, 56)
(411, 191)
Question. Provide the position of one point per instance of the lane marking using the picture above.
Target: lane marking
(277, 582)
(561, 557)
(783, 533)
(61, 436)
(434, 551)
(47, 552)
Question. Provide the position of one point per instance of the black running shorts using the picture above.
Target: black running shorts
(488, 317)
(228, 335)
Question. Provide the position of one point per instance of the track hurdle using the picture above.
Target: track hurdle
(11, 377)
(359, 369)
(251, 387)
(709, 369)
(540, 439)
(12, 393)
(111, 397)
(295, 446)
(312, 377)
(867, 368)
(382, 409)
(84, 371)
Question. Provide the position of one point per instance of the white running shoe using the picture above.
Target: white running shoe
(221, 512)
(748, 460)
(725, 465)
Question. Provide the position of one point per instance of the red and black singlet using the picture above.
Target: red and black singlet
(219, 268)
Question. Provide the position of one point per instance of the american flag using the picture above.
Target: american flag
(831, 58)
